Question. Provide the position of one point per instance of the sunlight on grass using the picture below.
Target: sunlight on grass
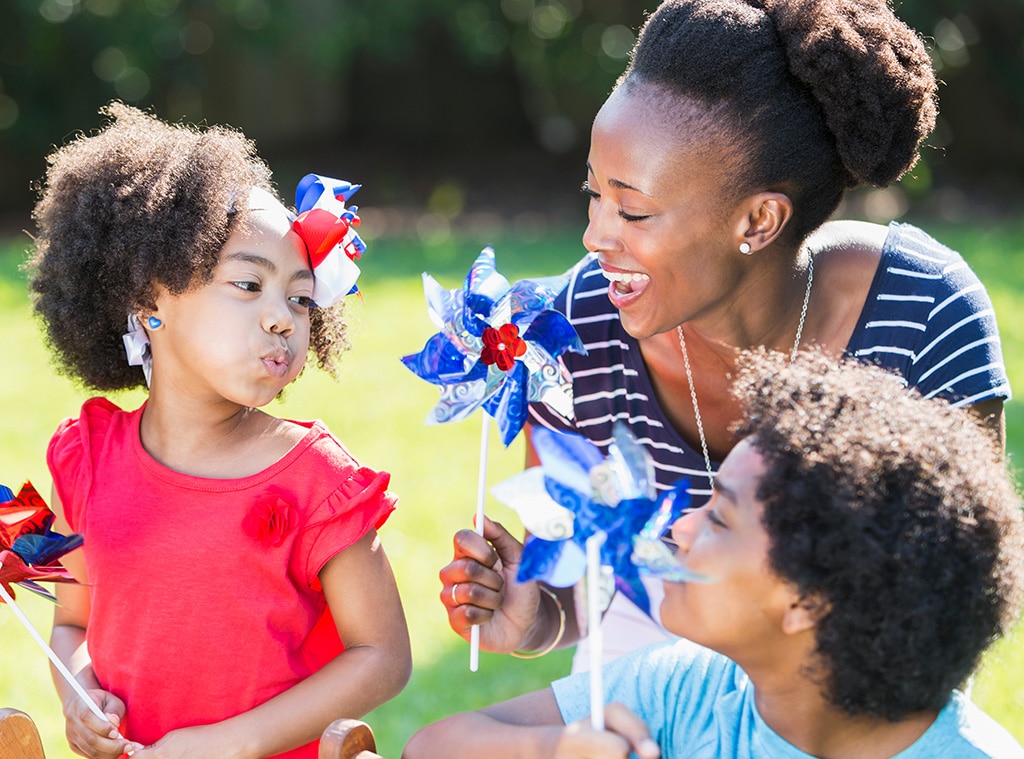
(377, 407)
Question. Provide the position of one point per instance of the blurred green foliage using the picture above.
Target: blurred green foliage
(410, 86)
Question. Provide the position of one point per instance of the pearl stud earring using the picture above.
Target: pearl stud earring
(745, 248)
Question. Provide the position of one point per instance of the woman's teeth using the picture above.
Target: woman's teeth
(624, 276)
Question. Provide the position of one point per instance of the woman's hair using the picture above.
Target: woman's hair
(818, 95)
(141, 202)
(894, 513)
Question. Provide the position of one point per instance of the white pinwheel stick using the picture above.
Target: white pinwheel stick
(72, 681)
(594, 577)
(481, 493)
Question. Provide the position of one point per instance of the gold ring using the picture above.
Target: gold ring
(455, 601)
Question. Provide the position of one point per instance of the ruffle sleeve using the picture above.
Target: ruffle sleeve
(360, 504)
(69, 456)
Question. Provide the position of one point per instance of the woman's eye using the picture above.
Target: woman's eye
(586, 190)
(633, 217)
(303, 300)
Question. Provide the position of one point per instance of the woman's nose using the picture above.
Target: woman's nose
(600, 233)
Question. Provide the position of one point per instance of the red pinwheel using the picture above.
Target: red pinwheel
(30, 553)
(29, 549)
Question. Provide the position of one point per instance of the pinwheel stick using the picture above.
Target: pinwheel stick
(50, 653)
(594, 572)
(481, 493)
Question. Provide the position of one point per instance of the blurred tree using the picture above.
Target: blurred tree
(427, 86)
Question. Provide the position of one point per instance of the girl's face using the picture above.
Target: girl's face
(243, 336)
(741, 608)
(659, 218)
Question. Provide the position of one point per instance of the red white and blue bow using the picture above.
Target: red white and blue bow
(327, 228)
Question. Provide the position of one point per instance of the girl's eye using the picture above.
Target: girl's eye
(303, 300)
(252, 287)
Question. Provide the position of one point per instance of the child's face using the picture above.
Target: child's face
(740, 610)
(242, 336)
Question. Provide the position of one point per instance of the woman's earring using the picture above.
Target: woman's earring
(745, 248)
(154, 323)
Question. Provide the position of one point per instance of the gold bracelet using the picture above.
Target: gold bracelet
(558, 636)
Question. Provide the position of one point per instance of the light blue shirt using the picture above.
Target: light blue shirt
(700, 705)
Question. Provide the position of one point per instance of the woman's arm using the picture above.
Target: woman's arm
(375, 666)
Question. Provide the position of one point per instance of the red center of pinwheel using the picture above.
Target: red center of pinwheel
(502, 346)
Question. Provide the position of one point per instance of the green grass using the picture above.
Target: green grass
(377, 408)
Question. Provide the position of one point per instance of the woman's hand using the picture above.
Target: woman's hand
(480, 588)
(624, 733)
(90, 736)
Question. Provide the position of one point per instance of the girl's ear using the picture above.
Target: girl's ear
(804, 614)
(761, 219)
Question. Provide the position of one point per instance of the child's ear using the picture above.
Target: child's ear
(804, 614)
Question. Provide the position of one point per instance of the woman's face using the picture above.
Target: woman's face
(740, 608)
(659, 218)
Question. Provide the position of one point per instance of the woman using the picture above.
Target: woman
(714, 166)
(863, 548)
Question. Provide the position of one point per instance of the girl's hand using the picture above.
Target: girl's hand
(203, 742)
(92, 737)
(624, 733)
(485, 589)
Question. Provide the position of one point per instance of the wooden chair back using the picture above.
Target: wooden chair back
(19, 737)
(348, 739)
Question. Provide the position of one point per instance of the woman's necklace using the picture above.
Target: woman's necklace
(689, 374)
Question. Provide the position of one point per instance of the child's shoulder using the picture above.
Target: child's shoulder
(97, 416)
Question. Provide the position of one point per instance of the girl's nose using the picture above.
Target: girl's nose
(278, 318)
(686, 527)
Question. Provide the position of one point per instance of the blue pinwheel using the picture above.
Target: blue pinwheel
(593, 494)
(498, 347)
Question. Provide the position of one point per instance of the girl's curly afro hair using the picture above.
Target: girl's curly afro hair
(139, 202)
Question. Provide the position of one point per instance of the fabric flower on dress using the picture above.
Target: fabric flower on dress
(587, 493)
(269, 520)
(498, 347)
(29, 550)
(327, 228)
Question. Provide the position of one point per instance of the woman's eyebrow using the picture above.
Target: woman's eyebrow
(618, 184)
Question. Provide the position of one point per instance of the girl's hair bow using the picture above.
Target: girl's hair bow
(327, 228)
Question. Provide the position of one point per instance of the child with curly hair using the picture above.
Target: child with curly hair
(862, 549)
(234, 597)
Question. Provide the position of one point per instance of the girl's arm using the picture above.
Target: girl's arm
(375, 666)
(86, 733)
(531, 727)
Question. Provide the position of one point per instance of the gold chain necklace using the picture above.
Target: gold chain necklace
(689, 374)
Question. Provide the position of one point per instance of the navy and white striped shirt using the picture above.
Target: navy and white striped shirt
(927, 318)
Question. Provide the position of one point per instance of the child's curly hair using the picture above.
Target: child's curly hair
(898, 514)
(139, 202)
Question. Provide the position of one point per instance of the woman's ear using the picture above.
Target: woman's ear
(762, 217)
(804, 614)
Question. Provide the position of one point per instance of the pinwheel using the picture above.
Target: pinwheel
(498, 349)
(29, 553)
(592, 516)
(327, 228)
